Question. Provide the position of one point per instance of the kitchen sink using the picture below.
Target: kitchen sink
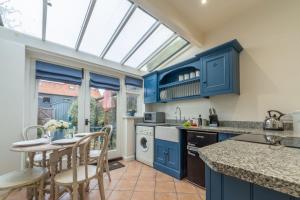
(167, 132)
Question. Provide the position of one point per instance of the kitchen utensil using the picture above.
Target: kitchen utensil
(180, 77)
(272, 121)
(296, 121)
(192, 74)
(213, 118)
(186, 76)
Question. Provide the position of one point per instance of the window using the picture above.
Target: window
(158, 38)
(105, 19)
(23, 16)
(134, 100)
(64, 20)
(57, 101)
(136, 27)
(174, 47)
(103, 111)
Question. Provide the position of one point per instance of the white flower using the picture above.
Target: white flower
(53, 124)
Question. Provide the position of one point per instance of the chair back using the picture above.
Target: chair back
(84, 145)
(31, 132)
(109, 130)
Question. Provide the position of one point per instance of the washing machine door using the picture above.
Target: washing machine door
(144, 144)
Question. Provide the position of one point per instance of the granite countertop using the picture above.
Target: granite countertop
(274, 167)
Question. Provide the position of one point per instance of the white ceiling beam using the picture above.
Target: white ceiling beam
(118, 30)
(141, 41)
(85, 23)
(45, 8)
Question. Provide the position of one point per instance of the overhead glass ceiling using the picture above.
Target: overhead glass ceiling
(115, 30)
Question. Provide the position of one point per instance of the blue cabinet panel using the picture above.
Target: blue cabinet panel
(261, 193)
(235, 189)
(172, 155)
(150, 88)
(222, 187)
(167, 157)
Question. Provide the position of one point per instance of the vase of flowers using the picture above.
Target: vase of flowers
(56, 129)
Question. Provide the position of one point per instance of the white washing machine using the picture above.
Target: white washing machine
(145, 144)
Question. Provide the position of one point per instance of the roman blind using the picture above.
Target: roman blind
(52, 72)
(133, 81)
(104, 82)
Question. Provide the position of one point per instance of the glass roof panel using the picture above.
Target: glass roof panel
(174, 47)
(159, 37)
(106, 17)
(23, 16)
(64, 20)
(137, 26)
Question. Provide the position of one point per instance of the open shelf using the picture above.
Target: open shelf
(173, 84)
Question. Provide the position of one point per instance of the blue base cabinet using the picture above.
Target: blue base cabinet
(168, 158)
(222, 187)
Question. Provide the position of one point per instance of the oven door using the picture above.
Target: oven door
(148, 117)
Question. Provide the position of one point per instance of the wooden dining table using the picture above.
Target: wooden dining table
(55, 158)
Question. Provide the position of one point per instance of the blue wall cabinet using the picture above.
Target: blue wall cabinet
(168, 157)
(219, 74)
(222, 187)
(150, 88)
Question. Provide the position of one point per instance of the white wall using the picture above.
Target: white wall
(12, 81)
(269, 64)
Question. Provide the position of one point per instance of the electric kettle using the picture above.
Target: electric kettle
(273, 122)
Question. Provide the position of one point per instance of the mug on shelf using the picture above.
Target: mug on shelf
(186, 76)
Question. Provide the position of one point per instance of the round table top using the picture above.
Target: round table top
(40, 148)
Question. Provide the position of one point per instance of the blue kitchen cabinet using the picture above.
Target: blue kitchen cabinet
(220, 71)
(150, 88)
(167, 157)
(222, 187)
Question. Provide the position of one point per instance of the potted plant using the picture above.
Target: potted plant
(56, 129)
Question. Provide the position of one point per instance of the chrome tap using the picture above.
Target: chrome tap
(178, 108)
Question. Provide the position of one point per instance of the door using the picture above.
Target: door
(160, 152)
(172, 157)
(215, 74)
(150, 88)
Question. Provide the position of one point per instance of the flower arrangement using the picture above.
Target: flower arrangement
(53, 124)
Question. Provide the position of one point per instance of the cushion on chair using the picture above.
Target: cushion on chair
(17, 179)
(66, 177)
(95, 153)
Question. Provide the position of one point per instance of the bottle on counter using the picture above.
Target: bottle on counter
(199, 121)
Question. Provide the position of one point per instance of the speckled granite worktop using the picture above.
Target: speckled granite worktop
(273, 167)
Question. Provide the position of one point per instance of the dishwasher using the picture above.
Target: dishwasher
(195, 165)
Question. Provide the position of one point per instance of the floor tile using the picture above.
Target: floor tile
(120, 195)
(183, 187)
(125, 185)
(142, 196)
(163, 177)
(202, 193)
(165, 196)
(145, 186)
(183, 196)
(164, 187)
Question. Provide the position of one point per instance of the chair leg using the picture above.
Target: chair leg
(56, 192)
(107, 169)
(41, 189)
(101, 187)
(75, 192)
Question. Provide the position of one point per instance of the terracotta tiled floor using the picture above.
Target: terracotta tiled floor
(137, 181)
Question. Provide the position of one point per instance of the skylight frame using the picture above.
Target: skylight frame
(119, 29)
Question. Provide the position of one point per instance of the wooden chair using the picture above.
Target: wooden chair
(79, 176)
(27, 178)
(94, 153)
(27, 135)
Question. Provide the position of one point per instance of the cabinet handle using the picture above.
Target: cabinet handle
(200, 136)
(192, 154)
